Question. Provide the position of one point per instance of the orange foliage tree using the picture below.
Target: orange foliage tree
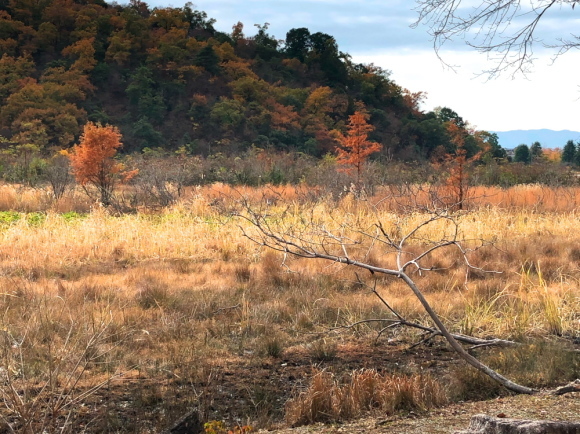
(355, 147)
(92, 160)
(459, 164)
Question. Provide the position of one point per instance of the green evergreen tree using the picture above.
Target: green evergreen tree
(522, 154)
(145, 96)
(536, 150)
(206, 58)
(569, 152)
(577, 155)
(297, 43)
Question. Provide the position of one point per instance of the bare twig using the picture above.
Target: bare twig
(221, 309)
(477, 342)
(506, 28)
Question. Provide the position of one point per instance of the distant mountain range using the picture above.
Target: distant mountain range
(547, 138)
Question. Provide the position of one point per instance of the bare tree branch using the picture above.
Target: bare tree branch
(476, 342)
(504, 29)
(346, 242)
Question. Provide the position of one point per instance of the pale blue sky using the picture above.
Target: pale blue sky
(378, 31)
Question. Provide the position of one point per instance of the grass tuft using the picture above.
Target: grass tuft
(328, 399)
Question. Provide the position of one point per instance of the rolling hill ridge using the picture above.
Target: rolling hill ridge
(547, 138)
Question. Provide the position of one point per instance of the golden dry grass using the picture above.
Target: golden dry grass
(176, 290)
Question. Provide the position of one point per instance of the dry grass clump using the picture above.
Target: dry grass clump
(329, 398)
(26, 199)
(537, 198)
(532, 306)
(539, 363)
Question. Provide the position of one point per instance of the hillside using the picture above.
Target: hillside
(167, 78)
(547, 138)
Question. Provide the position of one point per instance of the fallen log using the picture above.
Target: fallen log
(190, 423)
(574, 386)
(483, 424)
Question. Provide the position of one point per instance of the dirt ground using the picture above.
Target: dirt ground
(248, 389)
(241, 388)
(438, 359)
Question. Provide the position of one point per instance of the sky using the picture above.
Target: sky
(379, 32)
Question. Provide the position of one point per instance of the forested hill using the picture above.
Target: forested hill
(168, 79)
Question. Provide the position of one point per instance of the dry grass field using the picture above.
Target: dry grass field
(122, 323)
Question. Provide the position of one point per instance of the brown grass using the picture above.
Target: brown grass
(536, 197)
(330, 399)
(536, 363)
(182, 289)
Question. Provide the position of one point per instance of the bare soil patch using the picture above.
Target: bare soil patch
(244, 389)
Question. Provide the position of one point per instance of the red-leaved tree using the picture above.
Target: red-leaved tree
(93, 162)
(355, 147)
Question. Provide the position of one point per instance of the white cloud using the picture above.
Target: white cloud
(350, 20)
(548, 98)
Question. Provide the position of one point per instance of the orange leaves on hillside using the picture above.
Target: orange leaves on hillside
(38, 101)
(236, 69)
(554, 155)
(283, 117)
(413, 100)
(119, 49)
(168, 19)
(248, 89)
(319, 114)
(319, 101)
(355, 147)
(238, 31)
(13, 70)
(83, 52)
(225, 52)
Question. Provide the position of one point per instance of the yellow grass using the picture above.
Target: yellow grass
(181, 288)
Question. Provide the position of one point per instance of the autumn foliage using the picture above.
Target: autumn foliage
(170, 79)
(459, 164)
(355, 148)
(92, 160)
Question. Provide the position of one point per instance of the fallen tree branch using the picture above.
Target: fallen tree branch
(574, 386)
(306, 236)
(477, 342)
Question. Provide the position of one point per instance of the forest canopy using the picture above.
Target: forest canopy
(168, 79)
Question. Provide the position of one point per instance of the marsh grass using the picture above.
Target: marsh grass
(322, 350)
(182, 288)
